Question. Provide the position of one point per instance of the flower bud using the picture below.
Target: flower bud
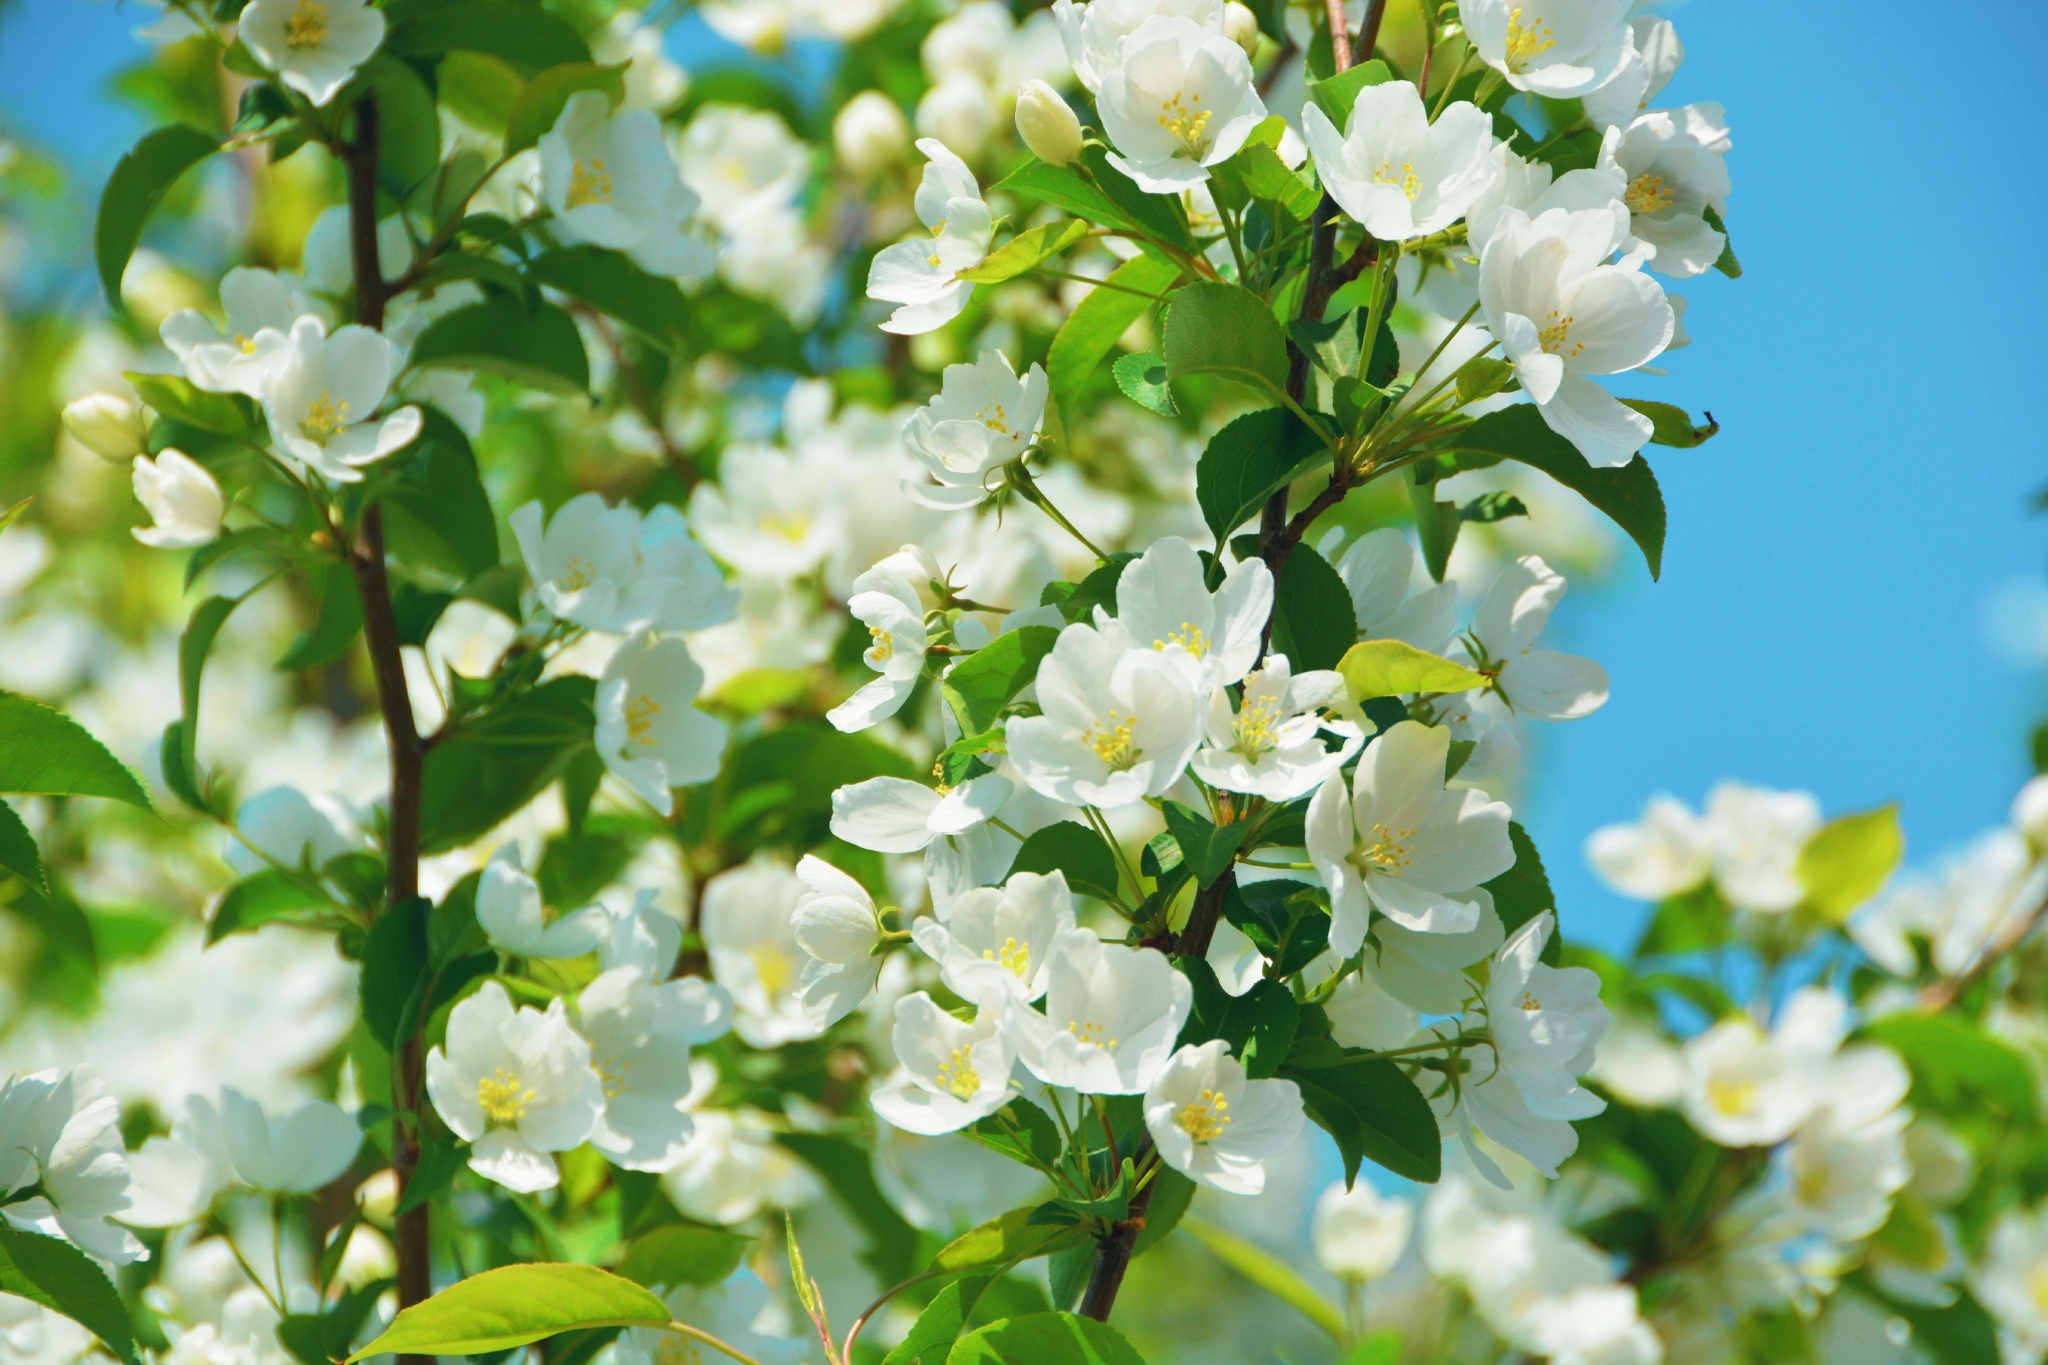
(181, 498)
(109, 426)
(958, 112)
(1048, 125)
(1241, 26)
(870, 134)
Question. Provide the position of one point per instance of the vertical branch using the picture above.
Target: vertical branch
(380, 635)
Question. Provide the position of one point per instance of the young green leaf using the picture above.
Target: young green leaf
(1006, 1239)
(1224, 329)
(1142, 377)
(137, 186)
(611, 283)
(44, 752)
(683, 1253)
(500, 337)
(982, 684)
(932, 1336)
(1392, 668)
(258, 899)
(179, 399)
(1091, 330)
(1336, 95)
(1849, 859)
(1045, 1339)
(516, 1304)
(1026, 251)
(1207, 849)
(1673, 426)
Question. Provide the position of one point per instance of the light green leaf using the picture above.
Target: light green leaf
(1142, 377)
(1091, 330)
(1952, 1061)
(1848, 860)
(514, 1305)
(540, 103)
(498, 336)
(137, 186)
(1064, 188)
(10, 515)
(1267, 177)
(1045, 1339)
(62, 1278)
(44, 752)
(179, 399)
(931, 1337)
(1393, 668)
(1206, 848)
(1269, 1273)
(1026, 251)
(1673, 425)
(257, 900)
(1224, 329)
(683, 1254)
(980, 685)
(1249, 460)
(1336, 95)
(340, 619)
(1004, 1240)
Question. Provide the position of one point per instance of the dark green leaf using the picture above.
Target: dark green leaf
(43, 752)
(1172, 1192)
(436, 512)
(499, 337)
(1336, 95)
(1674, 425)
(1063, 187)
(258, 899)
(1098, 589)
(1091, 330)
(1223, 329)
(341, 617)
(1074, 850)
(611, 283)
(1066, 1275)
(18, 851)
(983, 683)
(409, 128)
(1492, 507)
(1159, 216)
(1021, 1131)
(1523, 892)
(1436, 523)
(932, 1336)
(1313, 623)
(498, 763)
(1960, 1334)
(62, 1278)
(1373, 1111)
(1258, 1025)
(683, 1254)
(394, 972)
(439, 1161)
(527, 36)
(1207, 849)
(1726, 263)
(1248, 461)
(137, 185)
(1142, 377)
(1288, 921)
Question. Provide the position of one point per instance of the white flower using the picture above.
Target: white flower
(1119, 722)
(1672, 180)
(739, 160)
(1111, 1016)
(175, 1178)
(1396, 173)
(1236, 960)
(959, 111)
(732, 1166)
(1535, 188)
(1757, 836)
(1163, 600)
(949, 1073)
(327, 257)
(1426, 971)
(1272, 744)
(1557, 48)
(295, 1154)
(1666, 853)
(2009, 1284)
(516, 1084)
(1540, 684)
(261, 308)
(2030, 811)
(870, 133)
(1362, 1012)
(1846, 1165)
(773, 514)
(1399, 843)
(635, 932)
(322, 400)
(997, 941)
(315, 46)
(885, 602)
(1487, 1101)
(1047, 126)
(182, 499)
(285, 826)
(613, 569)
(835, 922)
(640, 1031)
(894, 815)
(750, 936)
(1562, 314)
(650, 733)
(919, 275)
(610, 182)
(1092, 31)
(737, 1312)
(1216, 1127)
(1546, 1024)
(509, 911)
(1641, 1066)
(62, 1135)
(1744, 1089)
(1179, 100)
(983, 418)
(108, 425)
(1377, 568)
(1653, 59)
(1360, 1233)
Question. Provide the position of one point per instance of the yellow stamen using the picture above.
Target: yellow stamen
(577, 575)
(503, 1098)
(1558, 334)
(958, 1075)
(1252, 732)
(1112, 743)
(1204, 1119)
(1013, 956)
(307, 27)
(1390, 850)
(1530, 1002)
(589, 183)
(772, 966)
(1731, 1097)
(1000, 422)
(884, 647)
(791, 526)
(325, 416)
(1188, 637)
(641, 710)
(1526, 41)
(612, 1071)
(1646, 194)
(1408, 182)
(1188, 125)
(1091, 1034)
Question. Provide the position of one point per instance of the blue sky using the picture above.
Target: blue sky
(1822, 617)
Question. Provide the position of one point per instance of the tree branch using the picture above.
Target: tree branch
(1113, 1253)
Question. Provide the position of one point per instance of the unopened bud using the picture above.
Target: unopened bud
(109, 426)
(870, 134)
(1241, 26)
(1048, 125)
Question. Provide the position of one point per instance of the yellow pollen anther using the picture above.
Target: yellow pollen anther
(1253, 729)
(1526, 40)
(307, 27)
(1014, 957)
(1558, 334)
(1000, 422)
(578, 574)
(958, 1075)
(772, 966)
(1188, 125)
(1731, 1097)
(612, 1071)
(325, 416)
(1204, 1119)
(1646, 194)
(1112, 743)
(640, 713)
(589, 183)
(884, 647)
(246, 343)
(1091, 1034)
(503, 1098)
(791, 526)
(1188, 637)
(1389, 851)
(1530, 1002)
(1408, 181)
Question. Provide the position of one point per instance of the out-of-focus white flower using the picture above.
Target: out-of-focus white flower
(1047, 126)
(261, 306)
(108, 425)
(2009, 1284)
(297, 1153)
(888, 606)
(509, 911)
(1757, 836)
(731, 1167)
(61, 1134)
(959, 112)
(1394, 170)
(515, 1084)
(950, 1074)
(1360, 1233)
(1538, 683)
(1560, 48)
(610, 182)
(286, 826)
(613, 569)
(982, 418)
(1163, 602)
(1091, 31)
(1427, 971)
(314, 46)
(650, 733)
(1111, 1016)
(1362, 1012)
(1179, 100)
(323, 397)
(1272, 744)
(1118, 722)
(921, 275)
(737, 159)
(652, 80)
(870, 133)
(2030, 812)
(749, 932)
(1746, 1089)
(997, 941)
(182, 499)
(640, 1032)
(736, 1312)
(1214, 1125)
(1653, 59)
(773, 514)
(1666, 853)
(1641, 1066)
(1377, 568)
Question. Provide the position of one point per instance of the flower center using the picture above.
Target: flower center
(503, 1098)
(791, 526)
(1091, 1034)
(998, 423)
(771, 965)
(578, 575)
(1530, 1002)
(884, 647)
(1390, 850)
(1013, 957)
(1188, 125)
(957, 1075)
(1408, 182)
(641, 710)
(1731, 1097)
(1555, 337)
(307, 27)
(1526, 41)
(1112, 743)
(1253, 729)
(938, 230)
(1204, 1119)
(1646, 194)
(612, 1071)
(1189, 637)
(325, 416)
(589, 183)
(247, 344)
(1813, 1187)
(2037, 1286)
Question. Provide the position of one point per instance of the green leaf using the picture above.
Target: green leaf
(932, 1336)
(1259, 1025)
(1481, 377)
(1091, 330)
(1159, 216)
(1373, 1110)
(341, 618)
(1436, 523)
(409, 127)
(1952, 1061)
(1064, 188)
(478, 89)
(892, 1243)
(496, 764)
(1726, 263)
(1142, 377)
(18, 851)
(526, 36)
(1288, 921)
(138, 184)
(1674, 425)
(1224, 329)
(181, 740)
(1066, 1275)
(1026, 251)
(1492, 507)
(1313, 623)
(1005, 1240)
(258, 899)
(179, 399)
(1207, 849)
(1073, 850)
(1628, 495)
(1267, 177)
(1960, 1334)
(500, 337)
(319, 1338)
(611, 283)
(983, 683)
(1336, 95)
(683, 1254)
(1269, 1273)
(394, 972)
(1392, 668)
(44, 752)
(439, 1161)
(64, 1279)
(1523, 892)
(1045, 1339)
(1689, 922)
(1249, 460)
(1377, 1348)
(1849, 859)
(514, 1305)
(436, 512)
